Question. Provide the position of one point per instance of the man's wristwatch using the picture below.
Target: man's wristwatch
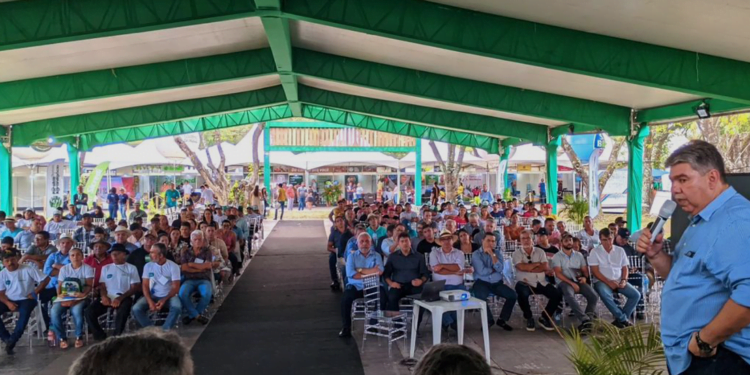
(703, 346)
(359, 270)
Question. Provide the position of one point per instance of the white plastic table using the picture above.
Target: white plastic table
(438, 308)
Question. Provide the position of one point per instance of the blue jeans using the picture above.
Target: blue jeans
(122, 212)
(187, 289)
(450, 317)
(141, 310)
(483, 289)
(25, 308)
(621, 314)
(302, 203)
(276, 213)
(332, 264)
(113, 211)
(58, 311)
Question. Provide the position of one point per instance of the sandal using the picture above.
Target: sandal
(63, 344)
(79, 343)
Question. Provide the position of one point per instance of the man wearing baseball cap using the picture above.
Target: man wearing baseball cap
(6, 243)
(10, 228)
(118, 282)
(52, 266)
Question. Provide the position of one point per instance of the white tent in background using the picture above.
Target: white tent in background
(428, 156)
(321, 159)
(22, 156)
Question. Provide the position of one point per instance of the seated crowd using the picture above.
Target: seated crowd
(154, 269)
(510, 252)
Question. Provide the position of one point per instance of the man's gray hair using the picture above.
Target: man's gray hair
(701, 155)
(473, 215)
(146, 352)
(196, 233)
(364, 234)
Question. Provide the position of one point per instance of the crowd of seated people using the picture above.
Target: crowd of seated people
(512, 252)
(100, 276)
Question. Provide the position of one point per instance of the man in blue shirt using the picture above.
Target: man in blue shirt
(486, 194)
(339, 227)
(10, 228)
(361, 263)
(52, 266)
(706, 298)
(488, 275)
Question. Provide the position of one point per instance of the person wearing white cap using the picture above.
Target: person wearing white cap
(121, 237)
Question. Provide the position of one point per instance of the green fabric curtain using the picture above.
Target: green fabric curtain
(635, 178)
(418, 174)
(6, 181)
(75, 169)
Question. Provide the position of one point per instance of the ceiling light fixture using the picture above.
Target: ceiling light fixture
(703, 111)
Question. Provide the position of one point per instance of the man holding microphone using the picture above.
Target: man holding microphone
(706, 297)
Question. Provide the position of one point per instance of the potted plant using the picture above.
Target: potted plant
(331, 193)
(612, 351)
(576, 209)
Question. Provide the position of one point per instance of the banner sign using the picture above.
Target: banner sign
(55, 188)
(502, 169)
(95, 178)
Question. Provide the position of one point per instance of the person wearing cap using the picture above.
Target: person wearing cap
(10, 228)
(41, 249)
(137, 212)
(531, 270)
(85, 233)
(542, 242)
(610, 266)
(620, 222)
(98, 258)
(28, 219)
(73, 214)
(18, 282)
(136, 235)
(447, 263)
(52, 266)
(76, 280)
(487, 264)
(121, 237)
(118, 282)
(6, 244)
(58, 224)
(571, 273)
(635, 275)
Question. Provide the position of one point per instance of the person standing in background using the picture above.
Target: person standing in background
(112, 200)
(123, 200)
(281, 201)
(81, 200)
(543, 191)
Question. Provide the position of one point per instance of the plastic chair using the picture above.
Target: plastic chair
(381, 323)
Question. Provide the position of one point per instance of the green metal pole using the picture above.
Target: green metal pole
(551, 147)
(75, 169)
(267, 160)
(504, 158)
(418, 174)
(635, 177)
(6, 180)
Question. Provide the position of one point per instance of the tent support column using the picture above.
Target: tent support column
(6, 172)
(552, 147)
(635, 177)
(418, 173)
(397, 197)
(74, 165)
(267, 161)
(502, 172)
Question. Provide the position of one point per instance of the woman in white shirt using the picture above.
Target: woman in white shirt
(75, 281)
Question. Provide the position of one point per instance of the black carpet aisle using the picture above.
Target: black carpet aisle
(281, 317)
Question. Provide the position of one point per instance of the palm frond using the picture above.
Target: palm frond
(612, 351)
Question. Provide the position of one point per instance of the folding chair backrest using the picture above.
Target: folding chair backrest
(371, 291)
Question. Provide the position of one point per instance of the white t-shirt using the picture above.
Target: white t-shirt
(610, 264)
(187, 189)
(208, 196)
(589, 242)
(82, 273)
(438, 256)
(118, 278)
(21, 282)
(161, 277)
(408, 215)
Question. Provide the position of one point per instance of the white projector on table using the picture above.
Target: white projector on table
(454, 295)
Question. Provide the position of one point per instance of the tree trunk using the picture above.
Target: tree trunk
(577, 165)
(451, 169)
(613, 163)
(648, 166)
(256, 159)
(215, 177)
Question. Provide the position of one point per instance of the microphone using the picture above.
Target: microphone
(666, 211)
